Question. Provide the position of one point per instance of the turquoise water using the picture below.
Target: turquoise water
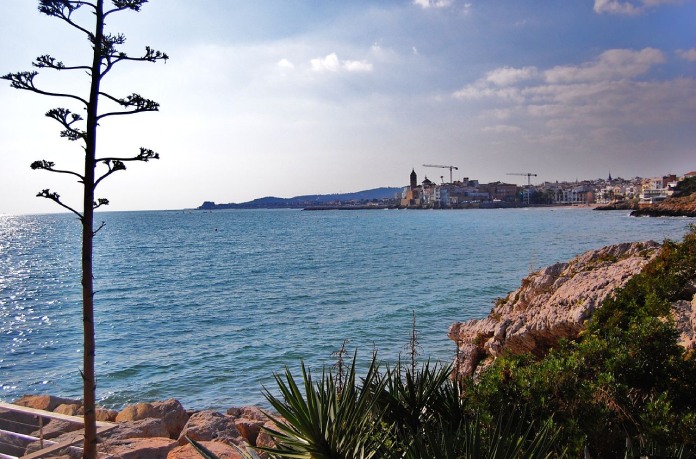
(206, 306)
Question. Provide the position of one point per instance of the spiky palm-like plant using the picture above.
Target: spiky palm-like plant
(324, 422)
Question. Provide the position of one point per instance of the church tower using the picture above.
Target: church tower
(414, 179)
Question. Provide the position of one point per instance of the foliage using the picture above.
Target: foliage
(625, 377)
(395, 413)
(686, 187)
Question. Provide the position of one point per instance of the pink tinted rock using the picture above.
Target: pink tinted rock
(57, 427)
(264, 439)
(221, 450)
(142, 428)
(170, 411)
(210, 425)
(138, 448)
(248, 412)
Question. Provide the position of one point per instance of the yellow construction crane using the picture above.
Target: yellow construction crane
(443, 167)
(529, 181)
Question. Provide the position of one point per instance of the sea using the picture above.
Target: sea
(206, 307)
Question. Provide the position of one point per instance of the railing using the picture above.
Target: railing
(45, 446)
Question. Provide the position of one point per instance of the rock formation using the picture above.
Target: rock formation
(682, 206)
(552, 303)
(144, 430)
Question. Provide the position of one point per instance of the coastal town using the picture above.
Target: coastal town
(468, 193)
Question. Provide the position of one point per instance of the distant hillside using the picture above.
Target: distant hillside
(298, 202)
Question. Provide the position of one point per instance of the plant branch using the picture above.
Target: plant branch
(121, 5)
(114, 166)
(135, 101)
(48, 166)
(145, 155)
(25, 80)
(66, 118)
(55, 197)
(46, 61)
(63, 9)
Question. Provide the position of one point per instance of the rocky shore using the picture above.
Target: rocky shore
(683, 206)
(554, 303)
(155, 430)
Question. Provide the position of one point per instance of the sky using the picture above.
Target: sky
(293, 97)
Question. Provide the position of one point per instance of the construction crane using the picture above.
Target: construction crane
(529, 181)
(443, 167)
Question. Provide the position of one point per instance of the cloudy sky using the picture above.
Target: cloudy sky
(291, 97)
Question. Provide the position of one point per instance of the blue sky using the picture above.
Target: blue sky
(299, 97)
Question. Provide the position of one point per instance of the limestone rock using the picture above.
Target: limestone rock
(551, 304)
(210, 425)
(221, 450)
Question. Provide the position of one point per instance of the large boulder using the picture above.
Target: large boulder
(264, 439)
(69, 409)
(56, 427)
(552, 303)
(138, 448)
(170, 411)
(248, 420)
(210, 425)
(142, 428)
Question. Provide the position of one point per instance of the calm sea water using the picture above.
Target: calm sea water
(205, 307)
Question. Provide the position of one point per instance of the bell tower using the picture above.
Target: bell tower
(414, 179)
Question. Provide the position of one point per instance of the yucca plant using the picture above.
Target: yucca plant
(411, 399)
(323, 421)
(475, 439)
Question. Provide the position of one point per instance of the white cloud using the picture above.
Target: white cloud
(329, 63)
(627, 7)
(285, 64)
(479, 90)
(611, 65)
(687, 55)
(433, 3)
(332, 63)
(502, 129)
(506, 76)
(604, 95)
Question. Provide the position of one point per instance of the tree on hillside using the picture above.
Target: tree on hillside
(105, 55)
